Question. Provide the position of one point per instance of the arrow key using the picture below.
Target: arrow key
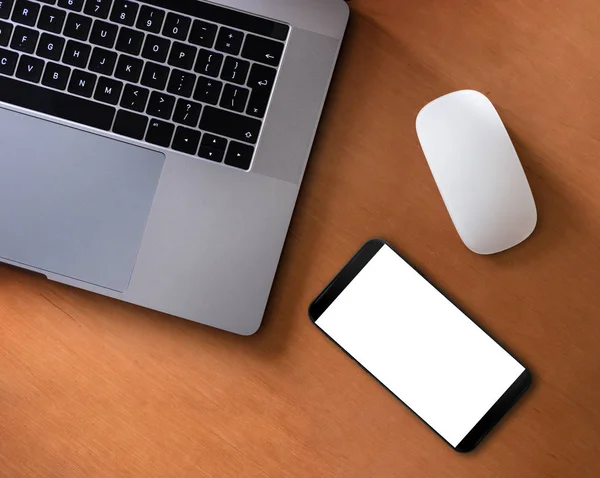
(212, 148)
(186, 140)
(239, 155)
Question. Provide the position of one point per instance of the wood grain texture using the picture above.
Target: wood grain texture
(90, 387)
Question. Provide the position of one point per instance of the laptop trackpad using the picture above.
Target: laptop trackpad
(73, 203)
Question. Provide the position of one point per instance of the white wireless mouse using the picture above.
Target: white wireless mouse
(477, 171)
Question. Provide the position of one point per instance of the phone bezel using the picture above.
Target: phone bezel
(347, 275)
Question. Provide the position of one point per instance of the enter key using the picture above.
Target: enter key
(261, 81)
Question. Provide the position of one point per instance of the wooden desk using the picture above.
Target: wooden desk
(90, 387)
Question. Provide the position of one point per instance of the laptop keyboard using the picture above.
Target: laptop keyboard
(184, 75)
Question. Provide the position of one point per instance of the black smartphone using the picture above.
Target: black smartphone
(420, 346)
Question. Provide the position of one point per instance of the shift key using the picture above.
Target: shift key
(232, 125)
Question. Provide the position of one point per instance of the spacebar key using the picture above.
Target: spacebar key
(232, 125)
(55, 103)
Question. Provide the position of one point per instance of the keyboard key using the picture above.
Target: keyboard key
(103, 61)
(104, 34)
(182, 56)
(26, 12)
(130, 124)
(262, 79)
(77, 26)
(160, 133)
(160, 105)
(208, 90)
(8, 61)
(5, 7)
(97, 8)
(217, 13)
(108, 91)
(5, 31)
(155, 76)
(50, 47)
(24, 39)
(235, 70)
(75, 5)
(181, 83)
(212, 148)
(150, 19)
(187, 112)
(177, 26)
(77, 54)
(124, 12)
(135, 98)
(130, 41)
(231, 125)
(30, 68)
(56, 76)
(262, 50)
(55, 103)
(234, 98)
(239, 155)
(229, 41)
(203, 33)
(129, 68)
(156, 48)
(52, 19)
(82, 83)
(209, 63)
(186, 140)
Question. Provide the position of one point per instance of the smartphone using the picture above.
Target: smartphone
(420, 346)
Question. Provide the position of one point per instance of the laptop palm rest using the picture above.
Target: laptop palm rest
(73, 203)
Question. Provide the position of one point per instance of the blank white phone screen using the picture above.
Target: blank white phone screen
(420, 345)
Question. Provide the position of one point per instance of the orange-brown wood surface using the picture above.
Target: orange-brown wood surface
(91, 387)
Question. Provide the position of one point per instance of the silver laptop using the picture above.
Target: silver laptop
(152, 150)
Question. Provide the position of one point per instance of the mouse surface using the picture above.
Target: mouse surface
(477, 171)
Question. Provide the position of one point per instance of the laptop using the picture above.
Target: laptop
(152, 150)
